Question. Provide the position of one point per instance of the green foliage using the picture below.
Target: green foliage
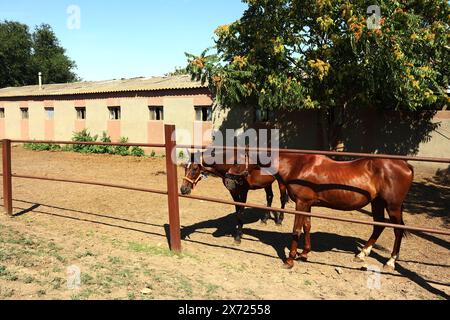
(24, 54)
(290, 54)
(122, 150)
(85, 136)
(137, 152)
(42, 146)
(153, 154)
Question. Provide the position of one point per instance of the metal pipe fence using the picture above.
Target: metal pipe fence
(172, 181)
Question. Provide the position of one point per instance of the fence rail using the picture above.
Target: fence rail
(321, 152)
(172, 181)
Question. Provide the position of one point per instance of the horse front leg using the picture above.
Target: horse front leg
(298, 224)
(279, 217)
(307, 245)
(239, 196)
(269, 199)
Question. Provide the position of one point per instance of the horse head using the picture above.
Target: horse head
(193, 173)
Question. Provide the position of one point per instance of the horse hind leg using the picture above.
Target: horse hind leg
(396, 216)
(307, 245)
(298, 224)
(269, 198)
(279, 216)
(378, 206)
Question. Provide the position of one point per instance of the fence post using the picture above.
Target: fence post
(172, 188)
(7, 184)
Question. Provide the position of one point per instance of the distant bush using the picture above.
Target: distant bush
(122, 150)
(137, 152)
(85, 136)
(42, 146)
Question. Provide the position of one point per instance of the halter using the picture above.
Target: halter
(194, 182)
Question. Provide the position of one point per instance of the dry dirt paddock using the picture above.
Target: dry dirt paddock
(118, 239)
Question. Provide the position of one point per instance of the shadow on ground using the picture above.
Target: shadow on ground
(321, 241)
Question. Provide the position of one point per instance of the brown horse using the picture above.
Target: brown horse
(314, 180)
(238, 188)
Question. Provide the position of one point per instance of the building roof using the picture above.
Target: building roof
(89, 87)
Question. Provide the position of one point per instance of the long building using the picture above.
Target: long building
(138, 109)
(133, 108)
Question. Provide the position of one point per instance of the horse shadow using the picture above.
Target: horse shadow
(225, 226)
(279, 241)
(320, 241)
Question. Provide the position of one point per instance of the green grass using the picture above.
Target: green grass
(115, 260)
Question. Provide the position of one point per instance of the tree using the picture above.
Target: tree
(15, 54)
(326, 55)
(49, 57)
(23, 55)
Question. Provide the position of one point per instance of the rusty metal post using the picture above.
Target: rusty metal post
(172, 188)
(7, 183)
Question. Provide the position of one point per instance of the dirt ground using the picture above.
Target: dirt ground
(118, 239)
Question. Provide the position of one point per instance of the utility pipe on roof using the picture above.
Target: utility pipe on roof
(40, 80)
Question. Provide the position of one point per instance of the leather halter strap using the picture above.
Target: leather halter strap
(194, 182)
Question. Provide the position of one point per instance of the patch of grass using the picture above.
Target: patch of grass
(86, 253)
(307, 283)
(7, 275)
(6, 292)
(185, 286)
(86, 278)
(28, 279)
(131, 296)
(153, 250)
(83, 295)
(41, 292)
(115, 260)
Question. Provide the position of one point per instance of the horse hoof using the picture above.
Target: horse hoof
(278, 224)
(288, 265)
(237, 242)
(388, 267)
(304, 258)
(358, 259)
(263, 221)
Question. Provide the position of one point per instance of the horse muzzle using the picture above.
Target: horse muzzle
(185, 190)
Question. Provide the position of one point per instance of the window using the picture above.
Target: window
(2, 113)
(81, 113)
(263, 115)
(24, 112)
(49, 113)
(156, 113)
(203, 113)
(114, 113)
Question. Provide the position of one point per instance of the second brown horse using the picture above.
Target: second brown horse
(238, 188)
(314, 180)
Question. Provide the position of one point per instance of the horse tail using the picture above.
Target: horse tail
(410, 166)
(406, 233)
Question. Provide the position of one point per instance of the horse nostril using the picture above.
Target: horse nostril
(185, 190)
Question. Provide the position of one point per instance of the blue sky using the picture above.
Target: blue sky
(124, 39)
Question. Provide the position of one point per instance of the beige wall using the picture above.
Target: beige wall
(12, 120)
(134, 123)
